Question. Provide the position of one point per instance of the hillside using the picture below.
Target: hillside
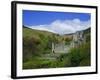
(37, 43)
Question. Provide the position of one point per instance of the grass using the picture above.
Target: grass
(40, 63)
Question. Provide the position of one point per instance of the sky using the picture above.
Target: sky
(57, 22)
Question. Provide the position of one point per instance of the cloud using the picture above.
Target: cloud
(64, 27)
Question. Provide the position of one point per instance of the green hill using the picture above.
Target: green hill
(38, 42)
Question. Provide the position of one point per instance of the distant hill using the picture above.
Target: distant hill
(35, 32)
(87, 31)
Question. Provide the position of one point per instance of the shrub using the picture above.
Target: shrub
(80, 56)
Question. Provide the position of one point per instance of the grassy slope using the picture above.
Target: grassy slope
(35, 42)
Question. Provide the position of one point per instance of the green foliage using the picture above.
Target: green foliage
(29, 48)
(37, 43)
(79, 56)
(36, 63)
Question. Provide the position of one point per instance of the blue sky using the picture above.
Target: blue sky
(43, 20)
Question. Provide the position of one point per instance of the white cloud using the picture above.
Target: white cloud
(64, 27)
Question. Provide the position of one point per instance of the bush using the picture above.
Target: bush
(80, 56)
